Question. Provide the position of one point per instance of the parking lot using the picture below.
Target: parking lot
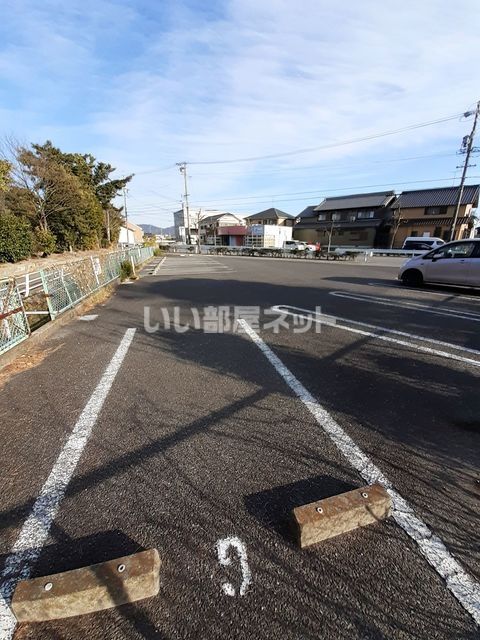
(245, 387)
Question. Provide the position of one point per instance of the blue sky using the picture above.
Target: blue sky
(144, 85)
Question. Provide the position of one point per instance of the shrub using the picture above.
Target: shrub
(158, 252)
(44, 242)
(126, 270)
(15, 238)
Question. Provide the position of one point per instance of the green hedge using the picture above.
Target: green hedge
(15, 238)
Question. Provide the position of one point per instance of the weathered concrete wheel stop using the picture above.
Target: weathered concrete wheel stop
(339, 514)
(88, 589)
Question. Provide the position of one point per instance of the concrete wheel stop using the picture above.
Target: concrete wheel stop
(88, 589)
(339, 514)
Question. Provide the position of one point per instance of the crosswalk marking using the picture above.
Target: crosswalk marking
(188, 265)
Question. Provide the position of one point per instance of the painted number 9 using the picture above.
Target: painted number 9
(225, 548)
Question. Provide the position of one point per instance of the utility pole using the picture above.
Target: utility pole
(126, 212)
(198, 230)
(330, 238)
(467, 148)
(183, 169)
(108, 225)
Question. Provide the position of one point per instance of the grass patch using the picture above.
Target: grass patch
(126, 270)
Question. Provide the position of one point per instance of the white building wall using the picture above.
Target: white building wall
(126, 236)
(267, 235)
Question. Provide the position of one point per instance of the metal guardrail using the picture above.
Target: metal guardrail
(13, 322)
(295, 253)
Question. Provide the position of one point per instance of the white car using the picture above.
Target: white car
(294, 244)
(422, 242)
(454, 263)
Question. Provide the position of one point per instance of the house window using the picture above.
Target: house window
(322, 216)
(352, 217)
(336, 217)
(436, 211)
(363, 215)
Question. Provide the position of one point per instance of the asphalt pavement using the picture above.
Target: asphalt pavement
(201, 448)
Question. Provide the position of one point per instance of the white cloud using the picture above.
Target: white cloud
(252, 79)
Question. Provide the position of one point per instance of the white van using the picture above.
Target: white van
(416, 243)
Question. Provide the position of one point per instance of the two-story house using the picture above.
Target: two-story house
(182, 221)
(269, 228)
(359, 220)
(224, 229)
(430, 212)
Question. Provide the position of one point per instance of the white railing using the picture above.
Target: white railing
(29, 283)
(60, 286)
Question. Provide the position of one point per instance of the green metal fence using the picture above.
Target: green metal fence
(13, 322)
(68, 284)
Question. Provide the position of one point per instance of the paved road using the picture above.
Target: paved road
(201, 442)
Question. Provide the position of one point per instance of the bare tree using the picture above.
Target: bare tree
(397, 221)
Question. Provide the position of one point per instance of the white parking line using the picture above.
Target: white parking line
(450, 313)
(333, 321)
(462, 586)
(445, 294)
(35, 530)
(155, 271)
(193, 266)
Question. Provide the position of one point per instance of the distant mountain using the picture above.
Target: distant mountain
(151, 228)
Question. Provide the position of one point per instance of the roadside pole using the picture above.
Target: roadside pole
(330, 240)
(467, 148)
(126, 213)
(183, 170)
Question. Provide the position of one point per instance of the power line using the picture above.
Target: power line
(331, 145)
(311, 149)
(298, 193)
(329, 165)
(158, 170)
(270, 198)
(175, 202)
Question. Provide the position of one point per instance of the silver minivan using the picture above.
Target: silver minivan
(454, 263)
